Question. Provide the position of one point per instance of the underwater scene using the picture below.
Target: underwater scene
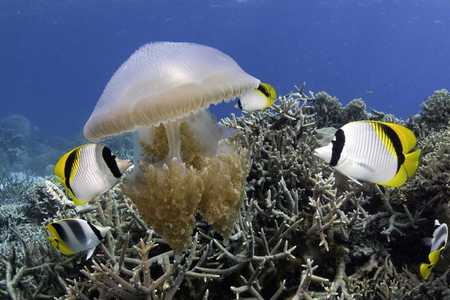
(225, 149)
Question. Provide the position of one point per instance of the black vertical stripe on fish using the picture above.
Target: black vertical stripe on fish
(338, 145)
(263, 90)
(97, 232)
(395, 140)
(111, 162)
(77, 230)
(61, 232)
(68, 168)
(239, 104)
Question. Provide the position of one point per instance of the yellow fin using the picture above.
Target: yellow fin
(398, 180)
(411, 162)
(57, 242)
(78, 202)
(425, 270)
(406, 136)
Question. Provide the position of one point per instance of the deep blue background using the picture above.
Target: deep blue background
(57, 56)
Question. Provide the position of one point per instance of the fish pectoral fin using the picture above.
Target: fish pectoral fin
(365, 166)
(355, 181)
(411, 162)
(425, 270)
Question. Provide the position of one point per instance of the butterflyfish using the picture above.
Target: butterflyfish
(72, 236)
(438, 244)
(259, 98)
(373, 151)
(88, 171)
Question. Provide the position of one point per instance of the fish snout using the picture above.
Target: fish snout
(324, 153)
(123, 164)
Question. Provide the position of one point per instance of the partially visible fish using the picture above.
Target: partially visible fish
(88, 171)
(438, 244)
(260, 98)
(72, 236)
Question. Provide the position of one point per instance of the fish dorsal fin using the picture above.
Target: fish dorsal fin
(406, 136)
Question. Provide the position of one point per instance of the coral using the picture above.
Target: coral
(434, 115)
(302, 232)
(24, 148)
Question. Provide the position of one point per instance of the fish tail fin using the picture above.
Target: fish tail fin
(412, 162)
(425, 270)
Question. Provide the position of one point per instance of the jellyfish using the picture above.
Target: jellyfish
(185, 165)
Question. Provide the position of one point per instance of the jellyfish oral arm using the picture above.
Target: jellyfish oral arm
(173, 140)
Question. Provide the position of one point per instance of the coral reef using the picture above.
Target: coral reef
(24, 148)
(434, 115)
(302, 231)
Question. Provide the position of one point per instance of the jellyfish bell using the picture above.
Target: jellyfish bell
(162, 92)
(164, 83)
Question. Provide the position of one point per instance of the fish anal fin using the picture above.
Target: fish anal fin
(411, 162)
(398, 180)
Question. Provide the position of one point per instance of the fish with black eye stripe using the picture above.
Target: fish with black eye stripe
(372, 151)
(72, 236)
(88, 171)
(438, 244)
(257, 99)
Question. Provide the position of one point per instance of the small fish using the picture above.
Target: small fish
(72, 236)
(88, 171)
(438, 244)
(372, 151)
(260, 98)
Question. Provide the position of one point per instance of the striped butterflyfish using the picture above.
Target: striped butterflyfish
(88, 171)
(259, 98)
(72, 236)
(373, 151)
(438, 244)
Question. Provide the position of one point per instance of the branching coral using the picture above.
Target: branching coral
(302, 231)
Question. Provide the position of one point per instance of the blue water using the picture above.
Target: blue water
(57, 56)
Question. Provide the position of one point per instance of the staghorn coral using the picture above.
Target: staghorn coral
(301, 233)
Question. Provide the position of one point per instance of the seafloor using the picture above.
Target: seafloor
(303, 232)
